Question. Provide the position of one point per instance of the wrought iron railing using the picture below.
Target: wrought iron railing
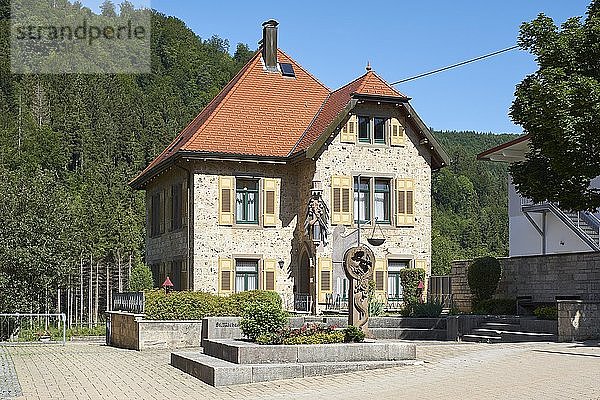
(335, 302)
(447, 300)
(132, 302)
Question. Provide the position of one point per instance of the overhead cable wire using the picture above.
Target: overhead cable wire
(495, 53)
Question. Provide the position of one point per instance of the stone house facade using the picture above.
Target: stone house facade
(264, 189)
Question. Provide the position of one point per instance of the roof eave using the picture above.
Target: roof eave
(318, 144)
(485, 156)
(440, 158)
(139, 182)
(380, 98)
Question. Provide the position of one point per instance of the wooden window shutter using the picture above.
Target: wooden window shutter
(405, 202)
(348, 131)
(226, 276)
(270, 202)
(226, 203)
(169, 207)
(162, 209)
(269, 273)
(397, 133)
(341, 200)
(325, 283)
(380, 277)
(184, 203)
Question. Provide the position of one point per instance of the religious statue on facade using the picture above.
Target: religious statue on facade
(317, 215)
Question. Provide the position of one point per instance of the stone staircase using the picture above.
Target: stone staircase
(408, 328)
(502, 329)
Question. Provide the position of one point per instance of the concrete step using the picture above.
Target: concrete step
(512, 337)
(408, 333)
(481, 338)
(399, 322)
(502, 319)
(500, 326)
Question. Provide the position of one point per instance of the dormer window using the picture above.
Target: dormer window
(364, 129)
(372, 129)
(379, 130)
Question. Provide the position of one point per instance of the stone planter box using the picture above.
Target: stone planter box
(132, 331)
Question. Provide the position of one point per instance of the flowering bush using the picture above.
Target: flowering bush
(312, 334)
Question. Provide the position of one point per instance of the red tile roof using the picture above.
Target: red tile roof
(265, 114)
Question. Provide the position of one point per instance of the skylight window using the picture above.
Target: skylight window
(287, 69)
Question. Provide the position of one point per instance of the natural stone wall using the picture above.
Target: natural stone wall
(578, 320)
(171, 245)
(221, 328)
(384, 161)
(212, 241)
(461, 293)
(169, 334)
(544, 277)
(541, 277)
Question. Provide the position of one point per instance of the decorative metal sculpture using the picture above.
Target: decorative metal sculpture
(317, 215)
(359, 263)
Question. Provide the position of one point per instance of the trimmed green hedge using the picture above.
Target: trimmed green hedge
(198, 305)
(483, 276)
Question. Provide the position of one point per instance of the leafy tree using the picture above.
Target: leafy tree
(559, 107)
(141, 278)
(469, 215)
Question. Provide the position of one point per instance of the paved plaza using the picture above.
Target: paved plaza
(448, 371)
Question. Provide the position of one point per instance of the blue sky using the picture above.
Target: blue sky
(334, 40)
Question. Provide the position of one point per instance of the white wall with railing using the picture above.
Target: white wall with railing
(525, 240)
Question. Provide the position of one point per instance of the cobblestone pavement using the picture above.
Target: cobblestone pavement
(450, 371)
(9, 384)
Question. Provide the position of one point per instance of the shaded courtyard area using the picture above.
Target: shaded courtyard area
(448, 371)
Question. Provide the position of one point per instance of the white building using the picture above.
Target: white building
(544, 228)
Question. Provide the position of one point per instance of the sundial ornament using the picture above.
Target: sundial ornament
(359, 263)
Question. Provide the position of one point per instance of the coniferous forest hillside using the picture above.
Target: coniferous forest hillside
(69, 144)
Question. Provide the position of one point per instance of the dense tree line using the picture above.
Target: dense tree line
(69, 144)
(470, 211)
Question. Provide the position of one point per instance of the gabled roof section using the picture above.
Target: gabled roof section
(262, 115)
(258, 114)
(372, 84)
(329, 114)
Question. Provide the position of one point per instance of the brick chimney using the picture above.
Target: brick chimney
(269, 44)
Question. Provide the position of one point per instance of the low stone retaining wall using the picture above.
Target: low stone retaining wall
(578, 320)
(132, 331)
(542, 278)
